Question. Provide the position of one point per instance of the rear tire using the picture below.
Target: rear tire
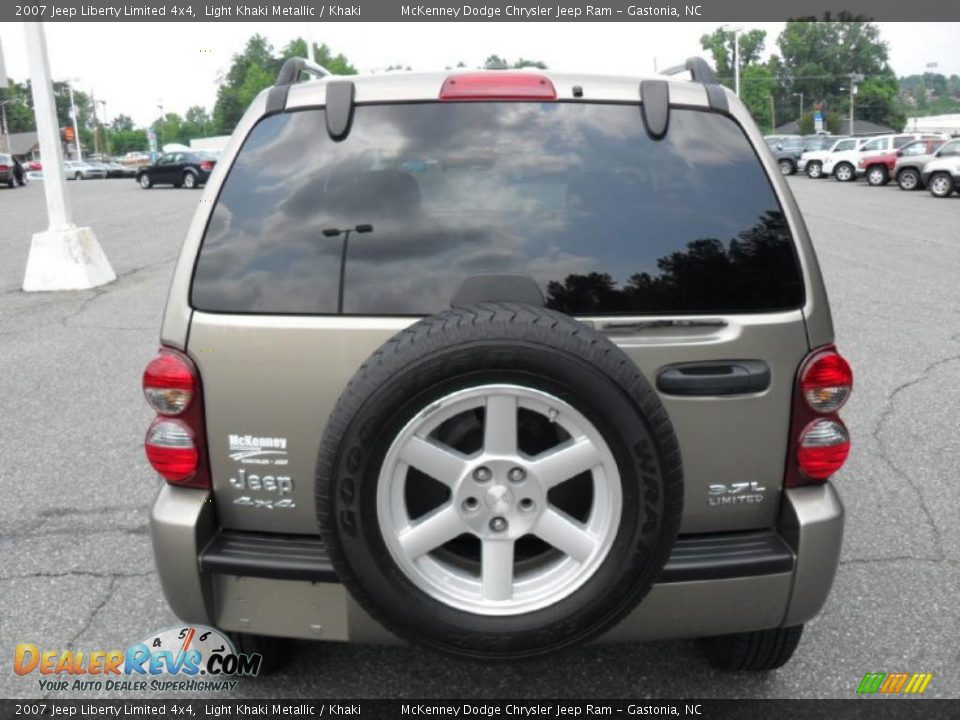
(787, 167)
(189, 181)
(845, 172)
(908, 179)
(941, 185)
(276, 652)
(758, 651)
(145, 181)
(814, 170)
(877, 175)
(78, 176)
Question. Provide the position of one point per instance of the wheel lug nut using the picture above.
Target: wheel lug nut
(517, 474)
(526, 504)
(471, 503)
(482, 474)
(498, 524)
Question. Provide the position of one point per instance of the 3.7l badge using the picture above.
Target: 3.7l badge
(738, 493)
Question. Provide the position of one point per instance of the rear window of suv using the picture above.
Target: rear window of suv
(575, 195)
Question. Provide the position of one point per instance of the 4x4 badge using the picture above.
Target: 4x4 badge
(276, 485)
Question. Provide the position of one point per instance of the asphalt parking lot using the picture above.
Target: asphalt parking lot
(76, 568)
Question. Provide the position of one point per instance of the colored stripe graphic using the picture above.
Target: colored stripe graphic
(894, 683)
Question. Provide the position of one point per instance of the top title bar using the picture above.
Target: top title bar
(478, 11)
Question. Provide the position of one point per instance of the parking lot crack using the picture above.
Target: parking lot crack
(885, 456)
(96, 610)
(79, 573)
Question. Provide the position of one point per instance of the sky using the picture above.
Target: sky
(134, 67)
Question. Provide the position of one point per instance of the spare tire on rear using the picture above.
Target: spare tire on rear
(499, 481)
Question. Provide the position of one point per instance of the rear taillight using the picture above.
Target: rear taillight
(206, 165)
(175, 442)
(826, 381)
(823, 448)
(171, 449)
(168, 383)
(4, 168)
(820, 442)
(498, 86)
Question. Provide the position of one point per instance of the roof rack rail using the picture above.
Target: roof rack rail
(290, 72)
(698, 69)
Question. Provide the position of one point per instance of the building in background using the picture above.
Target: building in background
(949, 124)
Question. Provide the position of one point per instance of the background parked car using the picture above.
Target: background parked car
(811, 161)
(80, 170)
(6, 171)
(787, 153)
(942, 174)
(180, 169)
(878, 169)
(909, 168)
(116, 169)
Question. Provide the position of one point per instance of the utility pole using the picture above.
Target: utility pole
(3, 124)
(103, 108)
(854, 79)
(801, 102)
(64, 257)
(96, 126)
(773, 115)
(76, 127)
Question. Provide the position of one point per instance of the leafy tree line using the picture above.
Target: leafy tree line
(931, 93)
(815, 59)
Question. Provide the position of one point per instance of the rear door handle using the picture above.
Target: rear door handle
(715, 377)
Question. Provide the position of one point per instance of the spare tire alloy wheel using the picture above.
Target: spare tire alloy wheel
(499, 481)
(500, 495)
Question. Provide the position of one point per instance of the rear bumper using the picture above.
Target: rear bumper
(285, 585)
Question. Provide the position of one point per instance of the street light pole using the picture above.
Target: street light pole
(854, 79)
(334, 232)
(64, 257)
(800, 94)
(736, 55)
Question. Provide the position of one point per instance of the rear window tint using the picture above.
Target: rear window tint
(575, 195)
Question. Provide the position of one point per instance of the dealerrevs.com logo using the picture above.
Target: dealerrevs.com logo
(183, 659)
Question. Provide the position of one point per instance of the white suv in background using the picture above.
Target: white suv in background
(812, 162)
(844, 166)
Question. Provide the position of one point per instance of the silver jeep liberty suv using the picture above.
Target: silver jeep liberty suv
(499, 362)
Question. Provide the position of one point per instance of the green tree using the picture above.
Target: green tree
(121, 142)
(756, 92)
(19, 107)
(819, 56)
(197, 123)
(336, 64)
(255, 69)
(524, 63)
(122, 123)
(720, 44)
